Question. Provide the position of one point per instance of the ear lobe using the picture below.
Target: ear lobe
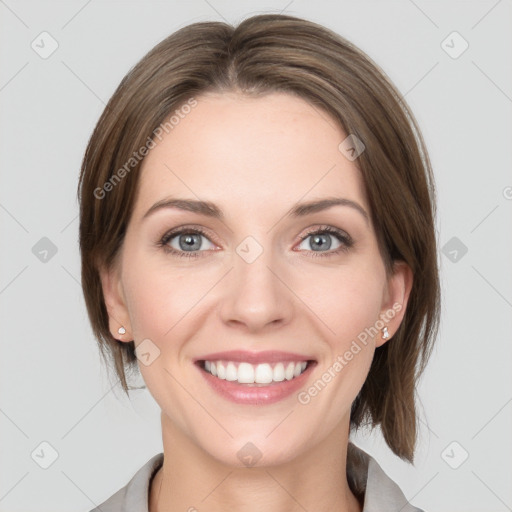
(395, 304)
(115, 302)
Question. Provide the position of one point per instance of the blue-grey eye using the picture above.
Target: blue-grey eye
(189, 241)
(322, 241)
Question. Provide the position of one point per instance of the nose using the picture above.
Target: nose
(256, 295)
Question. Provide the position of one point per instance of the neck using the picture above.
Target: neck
(191, 480)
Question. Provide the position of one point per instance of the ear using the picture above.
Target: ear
(115, 302)
(395, 299)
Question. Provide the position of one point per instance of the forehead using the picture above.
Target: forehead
(246, 152)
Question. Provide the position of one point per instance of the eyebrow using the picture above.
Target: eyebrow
(212, 210)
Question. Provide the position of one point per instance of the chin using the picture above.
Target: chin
(256, 451)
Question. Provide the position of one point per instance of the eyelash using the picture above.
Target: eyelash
(345, 239)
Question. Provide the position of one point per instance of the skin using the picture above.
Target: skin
(255, 158)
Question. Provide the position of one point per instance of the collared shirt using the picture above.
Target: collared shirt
(365, 477)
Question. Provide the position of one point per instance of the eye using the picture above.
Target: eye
(185, 242)
(320, 239)
(188, 242)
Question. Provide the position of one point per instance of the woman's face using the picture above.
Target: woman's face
(254, 293)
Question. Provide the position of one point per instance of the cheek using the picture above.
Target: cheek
(158, 299)
(347, 300)
(161, 307)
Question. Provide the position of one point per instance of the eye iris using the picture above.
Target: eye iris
(322, 241)
(190, 241)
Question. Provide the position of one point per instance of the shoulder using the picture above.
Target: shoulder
(133, 497)
(368, 480)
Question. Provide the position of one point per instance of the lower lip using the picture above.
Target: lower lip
(256, 395)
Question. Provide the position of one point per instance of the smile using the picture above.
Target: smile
(255, 378)
(247, 373)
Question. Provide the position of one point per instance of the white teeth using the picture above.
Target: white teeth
(246, 373)
(231, 373)
(263, 374)
(221, 371)
(279, 372)
(289, 371)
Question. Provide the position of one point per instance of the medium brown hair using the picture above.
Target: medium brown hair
(263, 54)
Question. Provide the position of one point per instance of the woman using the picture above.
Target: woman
(257, 237)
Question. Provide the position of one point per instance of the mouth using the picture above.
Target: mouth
(255, 374)
(255, 378)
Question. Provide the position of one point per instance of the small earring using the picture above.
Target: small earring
(385, 333)
(121, 330)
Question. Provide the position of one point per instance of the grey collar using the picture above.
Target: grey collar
(365, 477)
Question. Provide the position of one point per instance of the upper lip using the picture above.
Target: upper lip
(266, 356)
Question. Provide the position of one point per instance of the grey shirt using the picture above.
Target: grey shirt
(365, 477)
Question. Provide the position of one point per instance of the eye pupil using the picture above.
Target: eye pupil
(190, 241)
(322, 241)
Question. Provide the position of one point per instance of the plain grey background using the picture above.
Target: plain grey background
(55, 390)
